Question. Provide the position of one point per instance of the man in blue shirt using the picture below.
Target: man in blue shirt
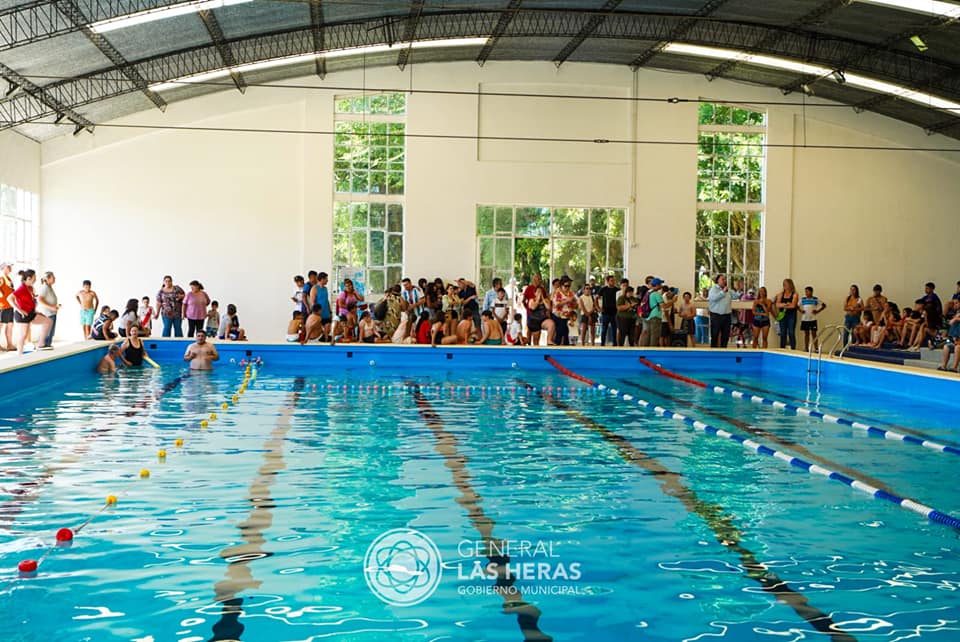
(320, 296)
(491, 295)
(720, 304)
(307, 289)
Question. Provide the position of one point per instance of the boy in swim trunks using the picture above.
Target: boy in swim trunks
(88, 301)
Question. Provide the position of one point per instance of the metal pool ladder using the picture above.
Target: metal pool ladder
(814, 368)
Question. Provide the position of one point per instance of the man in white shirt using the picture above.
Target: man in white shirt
(720, 304)
(412, 299)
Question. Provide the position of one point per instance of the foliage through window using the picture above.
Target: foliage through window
(19, 226)
(518, 242)
(731, 163)
(370, 236)
(369, 169)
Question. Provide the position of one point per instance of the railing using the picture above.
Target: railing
(817, 345)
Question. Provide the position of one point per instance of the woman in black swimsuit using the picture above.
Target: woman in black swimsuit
(132, 350)
(786, 302)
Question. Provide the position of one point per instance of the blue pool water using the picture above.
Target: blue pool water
(618, 524)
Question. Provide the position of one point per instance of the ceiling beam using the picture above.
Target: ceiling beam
(32, 92)
(29, 22)
(944, 125)
(410, 32)
(679, 31)
(505, 17)
(588, 29)
(226, 55)
(70, 9)
(905, 67)
(932, 24)
(814, 16)
(316, 28)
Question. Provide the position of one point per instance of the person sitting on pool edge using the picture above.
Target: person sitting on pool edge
(492, 332)
(230, 326)
(200, 354)
(108, 364)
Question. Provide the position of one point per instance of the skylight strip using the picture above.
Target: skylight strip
(854, 80)
(928, 7)
(160, 13)
(301, 58)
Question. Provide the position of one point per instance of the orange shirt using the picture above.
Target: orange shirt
(6, 289)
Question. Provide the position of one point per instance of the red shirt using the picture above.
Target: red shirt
(24, 298)
(423, 333)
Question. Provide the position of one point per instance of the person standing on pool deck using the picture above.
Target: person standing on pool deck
(319, 295)
(25, 314)
(47, 304)
(169, 304)
(720, 304)
(786, 302)
(200, 354)
(195, 304)
(6, 310)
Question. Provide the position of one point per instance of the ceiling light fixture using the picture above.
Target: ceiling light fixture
(928, 7)
(162, 13)
(302, 58)
(919, 43)
(852, 80)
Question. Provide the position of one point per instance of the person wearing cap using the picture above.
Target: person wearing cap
(6, 310)
(653, 321)
(720, 305)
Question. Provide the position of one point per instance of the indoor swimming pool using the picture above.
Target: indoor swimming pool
(403, 494)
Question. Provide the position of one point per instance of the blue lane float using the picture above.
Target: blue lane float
(932, 514)
(807, 412)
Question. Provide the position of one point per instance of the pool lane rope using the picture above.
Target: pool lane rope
(933, 515)
(807, 412)
(64, 536)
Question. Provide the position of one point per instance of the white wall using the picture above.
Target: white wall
(19, 161)
(243, 212)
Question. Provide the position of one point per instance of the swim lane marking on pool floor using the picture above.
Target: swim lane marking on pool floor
(446, 445)
(930, 513)
(239, 576)
(760, 432)
(802, 411)
(716, 519)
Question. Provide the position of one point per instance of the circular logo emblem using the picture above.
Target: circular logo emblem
(402, 567)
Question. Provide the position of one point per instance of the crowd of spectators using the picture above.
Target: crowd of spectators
(28, 312)
(437, 312)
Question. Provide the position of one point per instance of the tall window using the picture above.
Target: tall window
(518, 242)
(730, 194)
(19, 226)
(369, 168)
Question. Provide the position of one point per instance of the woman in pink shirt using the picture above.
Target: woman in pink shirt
(347, 302)
(195, 307)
